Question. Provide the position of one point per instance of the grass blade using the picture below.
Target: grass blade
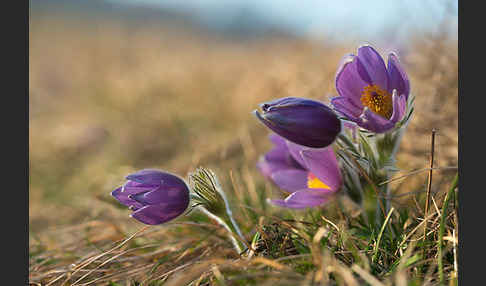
(442, 228)
(375, 254)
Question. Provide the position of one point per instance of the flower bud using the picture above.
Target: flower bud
(302, 121)
(154, 196)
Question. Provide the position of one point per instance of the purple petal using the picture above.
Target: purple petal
(157, 214)
(123, 198)
(295, 150)
(374, 66)
(277, 159)
(397, 75)
(157, 178)
(278, 140)
(269, 167)
(305, 198)
(264, 167)
(349, 83)
(147, 176)
(363, 72)
(323, 164)
(290, 180)
(279, 154)
(399, 106)
(172, 196)
(344, 106)
(374, 122)
(131, 188)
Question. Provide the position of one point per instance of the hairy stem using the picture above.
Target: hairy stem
(237, 244)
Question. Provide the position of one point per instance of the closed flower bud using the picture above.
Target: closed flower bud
(302, 121)
(154, 196)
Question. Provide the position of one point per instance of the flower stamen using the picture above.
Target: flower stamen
(378, 100)
(314, 183)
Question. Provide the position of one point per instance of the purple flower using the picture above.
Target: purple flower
(154, 196)
(372, 95)
(311, 176)
(303, 121)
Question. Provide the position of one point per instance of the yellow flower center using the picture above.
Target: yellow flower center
(378, 100)
(314, 183)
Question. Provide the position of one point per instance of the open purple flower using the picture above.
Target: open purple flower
(372, 95)
(303, 121)
(311, 176)
(154, 196)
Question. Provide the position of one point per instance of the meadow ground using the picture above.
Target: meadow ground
(107, 99)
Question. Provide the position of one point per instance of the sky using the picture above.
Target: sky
(314, 18)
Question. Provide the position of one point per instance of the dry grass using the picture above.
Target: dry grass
(107, 99)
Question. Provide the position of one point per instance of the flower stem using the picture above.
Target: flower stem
(396, 145)
(237, 244)
(229, 215)
(367, 178)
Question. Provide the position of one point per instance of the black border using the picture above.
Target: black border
(470, 111)
(15, 138)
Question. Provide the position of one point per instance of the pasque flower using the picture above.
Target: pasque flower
(154, 196)
(303, 121)
(310, 175)
(372, 95)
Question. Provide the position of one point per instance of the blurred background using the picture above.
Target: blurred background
(120, 85)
